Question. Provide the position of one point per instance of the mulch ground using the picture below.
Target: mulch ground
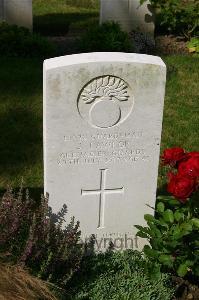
(167, 44)
(185, 290)
(170, 44)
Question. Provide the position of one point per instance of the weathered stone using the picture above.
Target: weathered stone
(102, 130)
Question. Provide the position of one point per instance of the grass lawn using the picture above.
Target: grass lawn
(57, 17)
(21, 115)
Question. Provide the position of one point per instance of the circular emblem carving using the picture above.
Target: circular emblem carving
(105, 101)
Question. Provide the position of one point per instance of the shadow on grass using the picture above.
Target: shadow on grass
(59, 23)
(20, 135)
(20, 117)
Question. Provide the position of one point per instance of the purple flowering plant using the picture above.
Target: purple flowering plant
(32, 236)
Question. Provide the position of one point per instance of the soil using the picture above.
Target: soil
(185, 290)
(167, 44)
(170, 44)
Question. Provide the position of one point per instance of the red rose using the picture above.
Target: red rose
(193, 154)
(172, 155)
(181, 187)
(189, 167)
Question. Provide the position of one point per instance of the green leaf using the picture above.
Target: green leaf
(184, 268)
(166, 260)
(149, 218)
(186, 228)
(165, 198)
(141, 228)
(195, 222)
(160, 207)
(154, 230)
(174, 244)
(163, 223)
(168, 216)
(156, 243)
(142, 234)
(174, 202)
(177, 233)
(150, 252)
(178, 216)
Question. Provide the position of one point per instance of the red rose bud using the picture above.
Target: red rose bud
(181, 187)
(172, 156)
(190, 167)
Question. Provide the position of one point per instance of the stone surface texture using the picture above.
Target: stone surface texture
(102, 130)
(17, 12)
(130, 14)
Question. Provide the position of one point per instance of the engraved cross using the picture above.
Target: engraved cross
(102, 192)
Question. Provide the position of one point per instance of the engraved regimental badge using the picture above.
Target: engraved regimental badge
(105, 101)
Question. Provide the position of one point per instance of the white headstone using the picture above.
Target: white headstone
(102, 130)
(130, 14)
(18, 12)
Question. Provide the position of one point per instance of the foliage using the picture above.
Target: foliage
(193, 46)
(33, 237)
(105, 37)
(120, 276)
(173, 233)
(20, 42)
(178, 16)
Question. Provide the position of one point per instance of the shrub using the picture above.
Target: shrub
(33, 237)
(177, 16)
(105, 37)
(118, 275)
(20, 42)
(193, 46)
(173, 233)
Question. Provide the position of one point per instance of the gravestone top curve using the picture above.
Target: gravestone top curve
(74, 59)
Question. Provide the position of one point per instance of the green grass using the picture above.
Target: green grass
(57, 17)
(21, 151)
(181, 114)
(21, 122)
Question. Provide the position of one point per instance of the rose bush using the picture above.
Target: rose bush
(190, 167)
(183, 180)
(172, 156)
(173, 233)
(180, 186)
